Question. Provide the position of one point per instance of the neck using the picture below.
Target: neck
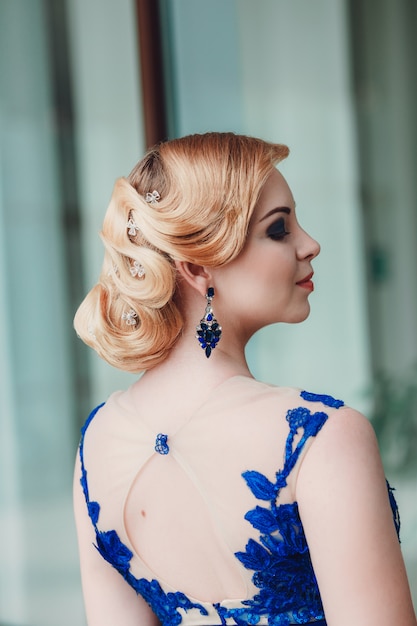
(188, 362)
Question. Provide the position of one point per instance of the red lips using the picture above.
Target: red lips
(306, 282)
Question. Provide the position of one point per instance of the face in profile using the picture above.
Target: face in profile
(271, 279)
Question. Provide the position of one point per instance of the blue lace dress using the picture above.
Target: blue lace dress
(282, 588)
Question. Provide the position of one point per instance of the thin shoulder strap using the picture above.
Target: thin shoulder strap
(93, 507)
(298, 419)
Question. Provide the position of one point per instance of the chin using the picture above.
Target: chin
(300, 316)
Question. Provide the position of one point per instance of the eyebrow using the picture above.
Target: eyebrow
(281, 209)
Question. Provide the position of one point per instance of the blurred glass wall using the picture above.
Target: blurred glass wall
(70, 124)
(334, 80)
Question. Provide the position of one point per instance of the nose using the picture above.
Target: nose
(309, 248)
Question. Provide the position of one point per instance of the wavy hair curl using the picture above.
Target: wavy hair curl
(208, 187)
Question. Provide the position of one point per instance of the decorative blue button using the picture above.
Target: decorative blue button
(161, 445)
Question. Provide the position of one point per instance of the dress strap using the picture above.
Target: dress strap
(299, 419)
(92, 507)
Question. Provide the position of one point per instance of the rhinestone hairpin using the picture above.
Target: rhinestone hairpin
(152, 196)
(115, 270)
(137, 269)
(132, 227)
(130, 317)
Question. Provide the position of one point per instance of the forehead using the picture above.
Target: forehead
(275, 193)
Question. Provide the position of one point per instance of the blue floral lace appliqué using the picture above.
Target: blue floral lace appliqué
(92, 507)
(283, 572)
(394, 509)
(164, 605)
(326, 400)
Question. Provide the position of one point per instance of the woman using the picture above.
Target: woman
(216, 498)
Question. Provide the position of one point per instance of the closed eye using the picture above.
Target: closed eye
(277, 230)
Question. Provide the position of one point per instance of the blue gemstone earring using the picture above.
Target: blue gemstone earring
(209, 331)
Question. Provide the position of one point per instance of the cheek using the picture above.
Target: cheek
(265, 273)
(268, 286)
(279, 271)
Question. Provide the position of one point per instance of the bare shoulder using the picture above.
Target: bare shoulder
(347, 432)
(103, 414)
(344, 460)
(348, 522)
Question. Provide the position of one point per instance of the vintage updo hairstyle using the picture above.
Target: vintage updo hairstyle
(207, 188)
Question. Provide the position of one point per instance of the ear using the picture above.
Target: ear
(197, 276)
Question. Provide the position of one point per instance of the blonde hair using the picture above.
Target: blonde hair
(208, 187)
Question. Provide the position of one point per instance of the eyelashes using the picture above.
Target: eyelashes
(277, 230)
